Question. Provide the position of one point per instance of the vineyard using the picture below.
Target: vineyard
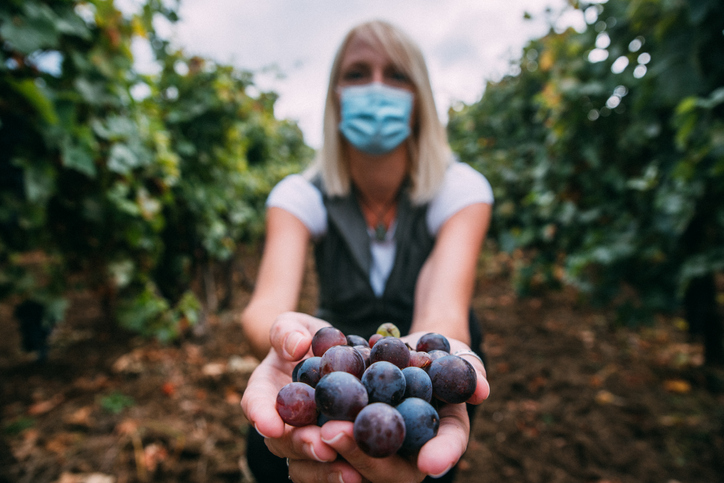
(132, 211)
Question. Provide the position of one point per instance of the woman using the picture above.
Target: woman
(397, 227)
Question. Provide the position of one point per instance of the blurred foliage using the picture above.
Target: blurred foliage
(605, 149)
(128, 181)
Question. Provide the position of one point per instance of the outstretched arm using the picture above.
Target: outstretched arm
(445, 285)
(279, 279)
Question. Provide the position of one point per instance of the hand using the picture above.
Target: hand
(291, 338)
(482, 390)
(313, 451)
(436, 457)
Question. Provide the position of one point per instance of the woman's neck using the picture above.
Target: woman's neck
(379, 177)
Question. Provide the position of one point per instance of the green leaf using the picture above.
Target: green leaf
(37, 98)
(122, 159)
(92, 92)
(35, 30)
(39, 180)
(78, 157)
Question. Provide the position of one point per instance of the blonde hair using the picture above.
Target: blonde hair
(428, 145)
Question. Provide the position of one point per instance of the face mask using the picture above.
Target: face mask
(375, 117)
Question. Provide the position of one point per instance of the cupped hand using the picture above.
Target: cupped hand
(291, 338)
(330, 453)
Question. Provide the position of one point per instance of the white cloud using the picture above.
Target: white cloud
(466, 42)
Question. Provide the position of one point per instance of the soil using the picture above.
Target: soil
(574, 397)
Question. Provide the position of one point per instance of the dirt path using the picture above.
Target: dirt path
(572, 400)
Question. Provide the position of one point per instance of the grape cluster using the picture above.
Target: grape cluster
(388, 389)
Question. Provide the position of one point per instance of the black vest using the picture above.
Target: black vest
(343, 260)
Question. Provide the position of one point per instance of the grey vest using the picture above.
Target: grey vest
(343, 261)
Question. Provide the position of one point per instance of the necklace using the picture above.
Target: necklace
(380, 227)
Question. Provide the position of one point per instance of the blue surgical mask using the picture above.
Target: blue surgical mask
(375, 117)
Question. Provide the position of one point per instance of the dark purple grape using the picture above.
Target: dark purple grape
(417, 383)
(391, 349)
(340, 395)
(432, 341)
(322, 419)
(379, 430)
(374, 338)
(325, 338)
(355, 340)
(365, 352)
(384, 382)
(342, 358)
(296, 404)
(453, 379)
(420, 359)
(436, 354)
(421, 424)
(295, 371)
(309, 373)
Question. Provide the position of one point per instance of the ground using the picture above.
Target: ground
(574, 397)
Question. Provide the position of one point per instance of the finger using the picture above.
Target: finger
(259, 399)
(339, 435)
(303, 471)
(443, 451)
(292, 332)
(302, 443)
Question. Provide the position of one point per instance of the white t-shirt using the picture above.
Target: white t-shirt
(461, 187)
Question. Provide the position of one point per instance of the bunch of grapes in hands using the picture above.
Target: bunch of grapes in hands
(388, 389)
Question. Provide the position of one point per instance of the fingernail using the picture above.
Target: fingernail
(291, 343)
(257, 430)
(333, 440)
(443, 473)
(335, 478)
(310, 449)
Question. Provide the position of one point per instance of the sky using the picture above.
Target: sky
(289, 44)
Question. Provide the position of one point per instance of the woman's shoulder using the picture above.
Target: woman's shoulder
(462, 186)
(461, 176)
(300, 197)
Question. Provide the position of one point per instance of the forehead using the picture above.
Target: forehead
(362, 49)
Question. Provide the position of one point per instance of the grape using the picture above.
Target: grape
(417, 383)
(325, 338)
(322, 419)
(379, 430)
(391, 349)
(420, 359)
(453, 379)
(355, 340)
(433, 341)
(309, 373)
(374, 338)
(384, 382)
(342, 358)
(436, 354)
(295, 371)
(388, 389)
(296, 404)
(388, 330)
(421, 424)
(340, 395)
(365, 351)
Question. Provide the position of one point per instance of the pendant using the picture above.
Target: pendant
(380, 232)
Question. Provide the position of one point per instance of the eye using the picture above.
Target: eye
(397, 76)
(355, 74)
